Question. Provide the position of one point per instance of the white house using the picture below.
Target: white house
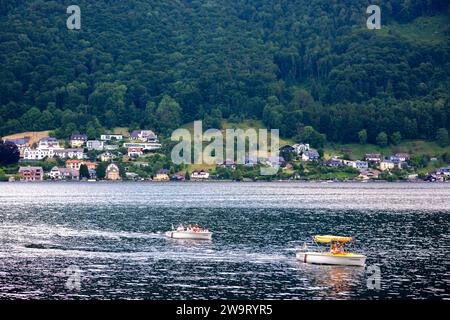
(49, 143)
(310, 155)
(301, 147)
(37, 154)
(386, 165)
(200, 174)
(106, 157)
(78, 140)
(358, 164)
(110, 147)
(63, 173)
(143, 145)
(135, 152)
(95, 145)
(403, 156)
(144, 135)
(373, 157)
(110, 137)
(74, 153)
(444, 171)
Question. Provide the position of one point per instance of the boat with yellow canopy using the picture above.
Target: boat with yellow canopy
(337, 255)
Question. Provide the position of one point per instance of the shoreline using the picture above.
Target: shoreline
(229, 181)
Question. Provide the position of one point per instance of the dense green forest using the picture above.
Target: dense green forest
(292, 63)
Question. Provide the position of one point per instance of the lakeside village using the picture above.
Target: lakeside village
(140, 156)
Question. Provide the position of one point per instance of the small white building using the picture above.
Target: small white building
(110, 147)
(106, 157)
(78, 140)
(135, 152)
(444, 171)
(95, 145)
(111, 137)
(37, 154)
(310, 155)
(301, 147)
(49, 143)
(144, 135)
(200, 174)
(386, 165)
(74, 153)
(143, 145)
(63, 173)
(403, 156)
(358, 164)
(373, 157)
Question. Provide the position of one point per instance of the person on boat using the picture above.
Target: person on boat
(341, 248)
(333, 249)
(196, 228)
(180, 228)
(190, 227)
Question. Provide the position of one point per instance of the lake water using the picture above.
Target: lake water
(105, 240)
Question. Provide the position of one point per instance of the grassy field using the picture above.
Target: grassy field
(34, 135)
(244, 125)
(121, 130)
(414, 147)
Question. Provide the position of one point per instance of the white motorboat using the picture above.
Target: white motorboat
(346, 259)
(335, 256)
(193, 234)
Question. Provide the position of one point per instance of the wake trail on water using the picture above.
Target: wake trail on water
(46, 231)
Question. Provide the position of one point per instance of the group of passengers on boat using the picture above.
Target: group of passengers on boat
(337, 249)
(189, 228)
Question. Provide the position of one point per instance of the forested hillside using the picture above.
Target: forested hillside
(291, 63)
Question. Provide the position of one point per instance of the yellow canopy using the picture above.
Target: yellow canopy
(327, 239)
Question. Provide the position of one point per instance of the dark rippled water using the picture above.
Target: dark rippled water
(112, 233)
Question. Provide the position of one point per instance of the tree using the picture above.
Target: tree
(396, 138)
(442, 136)
(311, 136)
(272, 113)
(3, 177)
(446, 157)
(84, 172)
(31, 119)
(382, 139)
(320, 152)
(237, 175)
(122, 171)
(9, 153)
(169, 114)
(362, 136)
(101, 170)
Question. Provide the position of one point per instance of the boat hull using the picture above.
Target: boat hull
(189, 235)
(350, 259)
